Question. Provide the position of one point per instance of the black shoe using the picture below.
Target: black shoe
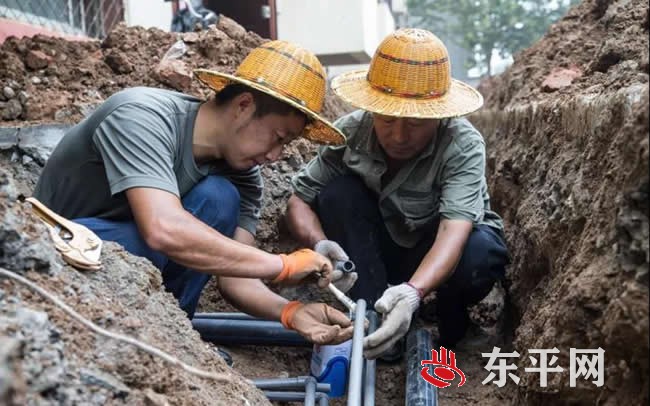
(225, 355)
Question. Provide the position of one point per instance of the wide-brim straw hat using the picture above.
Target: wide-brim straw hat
(289, 73)
(409, 76)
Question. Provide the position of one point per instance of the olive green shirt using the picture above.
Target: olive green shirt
(446, 180)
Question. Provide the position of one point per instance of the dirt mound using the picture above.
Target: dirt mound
(567, 134)
(598, 47)
(47, 358)
(52, 79)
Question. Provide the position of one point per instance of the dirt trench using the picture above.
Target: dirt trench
(566, 130)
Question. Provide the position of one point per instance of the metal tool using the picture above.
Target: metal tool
(79, 247)
(347, 302)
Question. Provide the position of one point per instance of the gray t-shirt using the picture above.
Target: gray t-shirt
(139, 137)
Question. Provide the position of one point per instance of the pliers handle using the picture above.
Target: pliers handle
(78, 246)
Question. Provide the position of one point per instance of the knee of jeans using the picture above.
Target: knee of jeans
(343, 192)
(219, 201)
(477, 249)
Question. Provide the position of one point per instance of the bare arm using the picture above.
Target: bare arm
(441, 260)
(303, 223)
(167, 227)
(251, 295)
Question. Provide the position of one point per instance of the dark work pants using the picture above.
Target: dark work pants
(349, 214)
(214, 201)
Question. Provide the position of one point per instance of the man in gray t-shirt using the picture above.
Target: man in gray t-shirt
(177, 180)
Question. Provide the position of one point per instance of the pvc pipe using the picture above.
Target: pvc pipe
(288, 383)
(323, 399)
(224, 316)
(310, 392)
(252, 332)
(418, 391)
(346, 266)
(369, 377)
(356, 363)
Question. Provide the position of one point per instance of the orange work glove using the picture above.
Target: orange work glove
(302, 264)
(317, 322)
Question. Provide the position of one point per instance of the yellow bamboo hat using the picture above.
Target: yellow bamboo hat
(289, 73)
(409, 76)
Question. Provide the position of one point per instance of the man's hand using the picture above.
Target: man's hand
(317, 322)
(397, 306)
(332, 250)
(301, 264)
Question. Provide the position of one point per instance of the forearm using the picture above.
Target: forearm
(251, 295)
(191, 243)
(303, 223)
(441, 260)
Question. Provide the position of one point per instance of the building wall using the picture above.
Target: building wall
(148, 13)
(339, 32)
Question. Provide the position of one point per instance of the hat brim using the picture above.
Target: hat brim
(353, 87)
(318, 130)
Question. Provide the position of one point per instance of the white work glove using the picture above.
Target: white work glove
(397, 306)
(332, 250)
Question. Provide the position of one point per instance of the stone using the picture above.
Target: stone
(14, 84)
(27, 159)
(174, 73)
(36, 80)
(23, 96)
(12, 110)
(231, 28)
(38, 141)
(118, 62)
(8, 92)
(559, 78)
(37, 60)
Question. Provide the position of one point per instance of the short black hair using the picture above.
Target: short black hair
(264, 103)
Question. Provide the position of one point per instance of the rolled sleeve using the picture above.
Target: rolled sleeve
(463, 174)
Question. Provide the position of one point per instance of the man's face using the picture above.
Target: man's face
(403, 138)
(259, 140)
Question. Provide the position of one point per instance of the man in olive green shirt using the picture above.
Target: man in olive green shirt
(406, 198)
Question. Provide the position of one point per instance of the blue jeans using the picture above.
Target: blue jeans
(214, 201)
(349, 213)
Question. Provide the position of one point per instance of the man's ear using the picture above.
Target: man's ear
(244, 104)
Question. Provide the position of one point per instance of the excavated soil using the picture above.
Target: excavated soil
(570, 181)
(568, 164)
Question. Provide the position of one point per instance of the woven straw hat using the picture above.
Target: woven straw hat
(286, 72)
(409, 76)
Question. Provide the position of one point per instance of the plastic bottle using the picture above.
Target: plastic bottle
(331, 364)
